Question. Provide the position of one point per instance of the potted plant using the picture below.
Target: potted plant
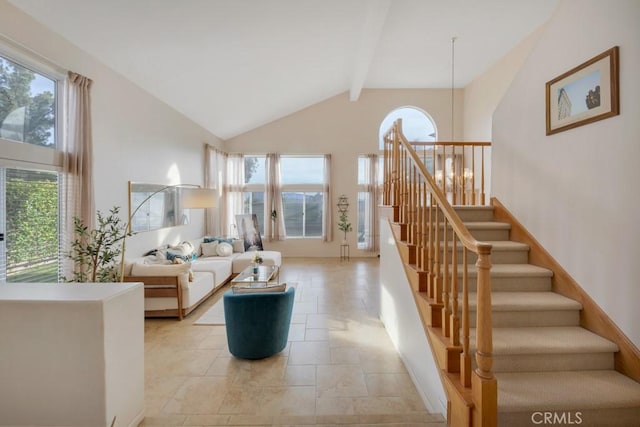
(257, 261)
(344, 225)
(95, 253)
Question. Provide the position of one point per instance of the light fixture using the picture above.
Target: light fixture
(191, 197)
(453, 41)
(197, 198)
(343, 204)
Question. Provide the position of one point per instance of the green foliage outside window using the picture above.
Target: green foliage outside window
(25, 116)
(32, 218)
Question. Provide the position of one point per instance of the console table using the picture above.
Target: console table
(71, 354)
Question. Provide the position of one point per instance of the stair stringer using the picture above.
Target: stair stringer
(592, 317)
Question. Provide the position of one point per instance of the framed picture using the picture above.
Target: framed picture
(249, 231)
(585, 94)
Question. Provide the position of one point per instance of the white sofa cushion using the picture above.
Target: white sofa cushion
(219, 266)
(155, 270)
(191, 294)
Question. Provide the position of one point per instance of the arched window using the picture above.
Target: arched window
(417, 125)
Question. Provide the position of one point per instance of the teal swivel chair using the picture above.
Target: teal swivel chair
(258, 323)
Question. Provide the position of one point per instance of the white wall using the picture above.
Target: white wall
(576, 191)
(136, 137)
(482, 96)
(345, 129)
(400, 316)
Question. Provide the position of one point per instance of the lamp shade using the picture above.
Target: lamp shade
(197, 198)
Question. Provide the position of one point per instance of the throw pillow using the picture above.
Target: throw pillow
(172, 256)
(238, 245)
(209, 239)
(183, 250)
(249, 290)
(209, 249)
(224, 249)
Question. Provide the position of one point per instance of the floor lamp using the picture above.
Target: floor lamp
(191, 197)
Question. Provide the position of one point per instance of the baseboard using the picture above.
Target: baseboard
(138, 419)
(592, 317)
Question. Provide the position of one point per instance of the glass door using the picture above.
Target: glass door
(29, 225)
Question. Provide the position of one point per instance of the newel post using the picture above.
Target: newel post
(483, 383)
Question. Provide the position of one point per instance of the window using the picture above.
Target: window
(27, 105)
(29, 168)
(29, 217)
(417, 125)
(303, 213)
(300, 187)
(253, 190)
(369, 183)
(302, 195)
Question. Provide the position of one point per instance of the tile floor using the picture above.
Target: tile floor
(339, 367)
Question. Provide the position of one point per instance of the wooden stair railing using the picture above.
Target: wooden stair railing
(458, 169)
(429, 228)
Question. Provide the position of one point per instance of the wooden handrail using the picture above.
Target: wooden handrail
(452, 143)
(434, 231)
(456, 223)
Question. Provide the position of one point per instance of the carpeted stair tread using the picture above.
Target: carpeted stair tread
(525, 301)
(498, 245)
(483, 225)
(474, 213)
(547, 340)
(512, 270)
(566, 390)
(487, 225)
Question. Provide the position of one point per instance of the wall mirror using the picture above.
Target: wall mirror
(158, 206)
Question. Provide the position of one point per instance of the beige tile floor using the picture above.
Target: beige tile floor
(339, 367)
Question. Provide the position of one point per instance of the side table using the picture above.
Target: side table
(344, 252)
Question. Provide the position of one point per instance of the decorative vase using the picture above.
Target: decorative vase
(255, 269)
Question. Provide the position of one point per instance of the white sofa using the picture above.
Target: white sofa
(177, 289)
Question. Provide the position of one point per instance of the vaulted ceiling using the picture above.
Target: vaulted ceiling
(234, 65)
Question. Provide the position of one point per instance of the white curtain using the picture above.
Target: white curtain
(215, 178)
(371, 188)
(77, 167)
(274, 228)
(234, 191)
(327, 224)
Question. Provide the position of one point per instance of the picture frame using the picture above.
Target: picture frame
(249, 230)
(584, 94)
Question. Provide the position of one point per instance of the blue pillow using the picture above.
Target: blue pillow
(208, 239)
(187, 258)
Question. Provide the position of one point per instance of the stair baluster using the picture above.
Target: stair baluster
(446, 331)
(431, 228)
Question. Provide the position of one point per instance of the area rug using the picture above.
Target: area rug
(215, 314)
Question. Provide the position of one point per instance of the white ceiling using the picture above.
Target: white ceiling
(233, 65)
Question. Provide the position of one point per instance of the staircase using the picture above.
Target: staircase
(541, 340)
(544, 361)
